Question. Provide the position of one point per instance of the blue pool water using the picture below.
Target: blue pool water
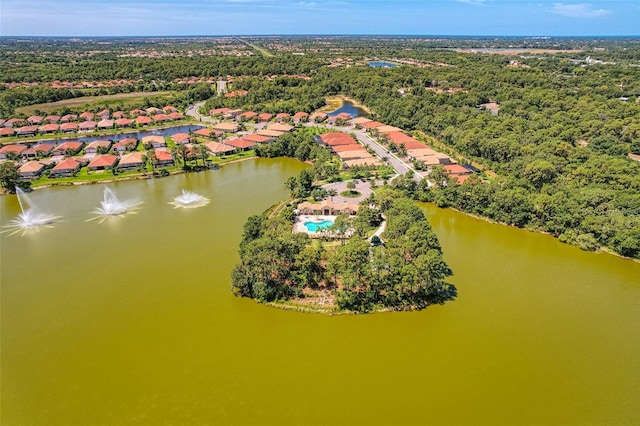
(315, 226)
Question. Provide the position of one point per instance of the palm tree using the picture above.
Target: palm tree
(332, 193)
(203, 150)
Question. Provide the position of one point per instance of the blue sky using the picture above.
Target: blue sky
(237, 17)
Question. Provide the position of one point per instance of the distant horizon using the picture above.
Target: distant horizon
(436, 36)
(462, 18)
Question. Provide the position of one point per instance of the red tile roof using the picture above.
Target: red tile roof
(181, 138)
(141, 119)
(349, 147)
(257, 138)
(103, 161)
(240, 143)
(31, 167)
(7, 131)
(337, 138)
(87, 125)
(15, 148)
(217, 147)
(163, 155)
(372, 124)
(67, 164)
(176, 116)
(68, 126)
(124, 122)
(456, 169)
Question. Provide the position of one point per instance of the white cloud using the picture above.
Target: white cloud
(579, 10)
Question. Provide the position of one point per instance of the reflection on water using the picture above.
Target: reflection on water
(349, 108)
(134, 323)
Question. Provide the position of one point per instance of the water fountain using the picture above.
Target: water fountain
(112, 206)
(189, 200)
(30, 217)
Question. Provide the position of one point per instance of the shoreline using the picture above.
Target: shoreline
(130, 178)
(339, 100)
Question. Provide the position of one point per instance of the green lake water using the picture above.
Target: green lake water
(131, 322)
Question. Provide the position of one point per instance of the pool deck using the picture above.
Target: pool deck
(298, 226)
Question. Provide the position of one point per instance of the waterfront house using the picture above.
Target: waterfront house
(103, 162)
(97, 146)
(124, 122)
(181, 138)
(87, 126)
(69, 127)
(217, 148)
(176, 116)
(39, 150)
(67, 148)
(160, 118)
(7, 131)
(208, 133)
(27, 131)
(11, 150)
(31, 170)
(49, 128)
(256, 138)
(126, 144)
(105, 123)
(163, 158)
(240, 144)
(143, 120)
(131, 160)
(67, 167)
(154, 141)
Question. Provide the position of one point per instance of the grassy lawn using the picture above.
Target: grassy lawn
(87, 102)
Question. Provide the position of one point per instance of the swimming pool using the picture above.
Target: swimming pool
(316, 226)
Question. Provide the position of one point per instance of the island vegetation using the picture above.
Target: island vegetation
(293, 271)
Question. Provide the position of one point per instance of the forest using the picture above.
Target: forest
(555, 155)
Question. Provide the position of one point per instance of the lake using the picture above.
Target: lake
(382, 64)
(131, 322)
(138, 134)
(349, 108)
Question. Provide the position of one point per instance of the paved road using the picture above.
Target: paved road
(192, 110)
(400, 166)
